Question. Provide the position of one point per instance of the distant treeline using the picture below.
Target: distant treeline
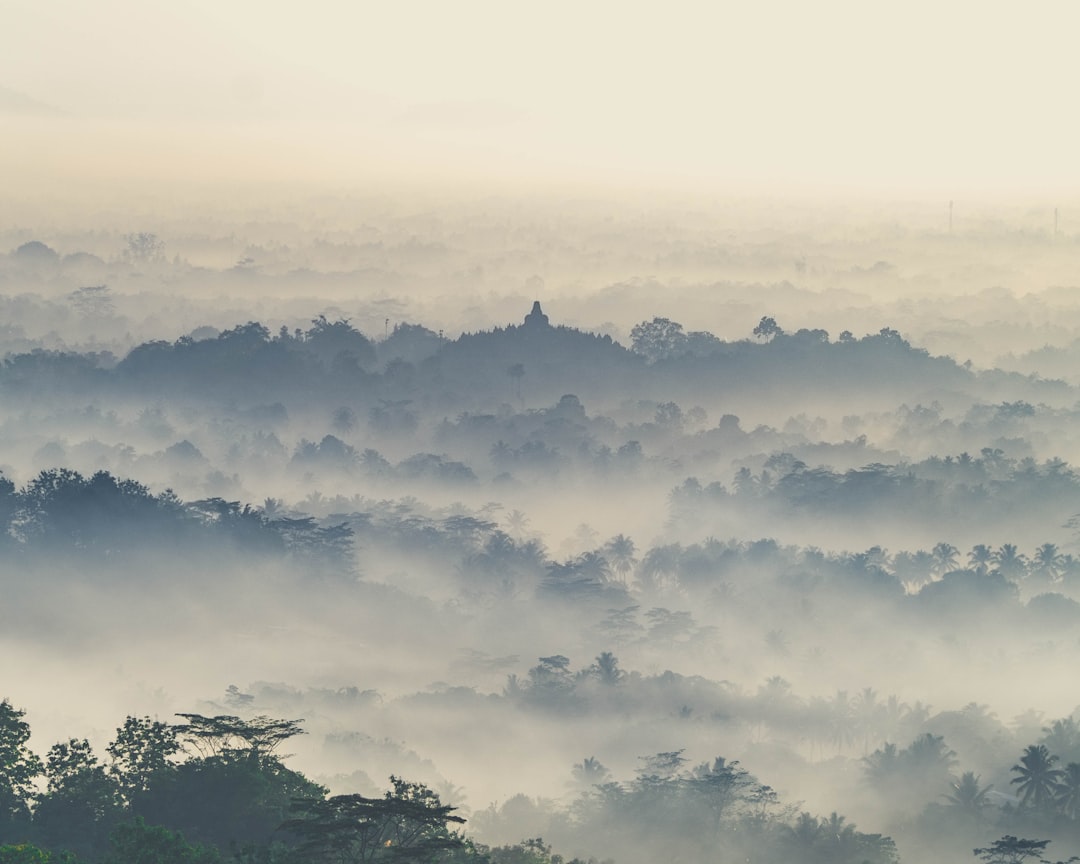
(97, 518)
(332, 360)
(987, 493)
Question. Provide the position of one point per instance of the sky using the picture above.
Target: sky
(927, 98)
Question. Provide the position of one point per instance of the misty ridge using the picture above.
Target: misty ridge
(781, 567)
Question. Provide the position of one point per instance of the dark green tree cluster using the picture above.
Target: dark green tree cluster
(203, 791)
(62, 512)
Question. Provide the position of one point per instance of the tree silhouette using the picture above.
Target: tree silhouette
(1010, 562)
(19, 767)
(619, 551)
(409, 823)
(967, 795)
(980, 558)
(1048, 563)
(141, 753)
(658, 339)
(767, 328)
(606, 668)
(1067, 793)
(1037, 778)
(945, 558)
(589, 772)
(1011, 850)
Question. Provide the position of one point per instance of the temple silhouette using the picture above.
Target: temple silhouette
(536, 318)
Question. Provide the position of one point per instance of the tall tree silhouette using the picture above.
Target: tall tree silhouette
(1037, 778)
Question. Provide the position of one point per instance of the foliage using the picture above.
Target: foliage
(136, 842)
(407, 824)
(19, 767)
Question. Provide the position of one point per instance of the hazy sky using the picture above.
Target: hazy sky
(931, 97)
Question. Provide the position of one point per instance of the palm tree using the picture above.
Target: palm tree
(913, 569)
(868, 714)
(980, 557)
(1047, 562)
(593, 566)
(1062, 737)
(805, 831)
(620, 551)
(660, 565)
(1067, 795)
(590, 772)
(517, 522)
(1038, 778)
(967, 795)
(1010, 563)
(945, 558)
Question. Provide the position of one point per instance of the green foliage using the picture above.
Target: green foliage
(138, 843)
(407, 824)
(19, 767)
(81, 804)
(140, 752)
(25, 853)
(238, 797)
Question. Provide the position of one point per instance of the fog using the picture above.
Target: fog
(799, 517)
(651, 435)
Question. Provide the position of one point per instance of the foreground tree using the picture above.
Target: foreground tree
(139, 843)
(19, 767)
(409, 823)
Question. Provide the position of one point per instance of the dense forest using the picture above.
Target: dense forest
(370, 584)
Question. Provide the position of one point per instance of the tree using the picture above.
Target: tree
(767, 328)
(1010, 562)
(620, 551)
(144, 247)
(225, 735)
(19, 767)
(1011, 850)
(589, 772)
(980, 558)
(25, 853)
(339, 345)
(967, 795)
(1037, 777)
(658, 339)
(659, 565)
(139, 843)
(945, 558)
(82, 802)
(1048, 562)
(92, 301)
(606, 668)
(1067, 793)
(140, 752)
(409, 823)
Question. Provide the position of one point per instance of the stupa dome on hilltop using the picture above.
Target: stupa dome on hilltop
(536, 318)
